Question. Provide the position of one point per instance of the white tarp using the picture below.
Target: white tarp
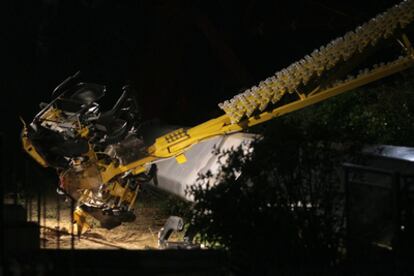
(176, 178)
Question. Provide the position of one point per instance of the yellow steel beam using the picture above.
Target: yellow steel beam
(165, 146)
(240, 111)
(29, 148)
(315, 66)
(377, 74)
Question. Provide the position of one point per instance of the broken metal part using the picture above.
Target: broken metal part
(174, 224)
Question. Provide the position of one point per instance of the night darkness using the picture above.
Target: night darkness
(183, 57)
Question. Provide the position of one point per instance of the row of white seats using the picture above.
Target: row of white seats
(319, 62)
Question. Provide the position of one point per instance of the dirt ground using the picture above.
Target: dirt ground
(151, 213)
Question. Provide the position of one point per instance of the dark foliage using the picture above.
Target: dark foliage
(284, 212)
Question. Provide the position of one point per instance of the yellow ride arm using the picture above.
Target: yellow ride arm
(313, 79)
(308, 81)
(29, 148)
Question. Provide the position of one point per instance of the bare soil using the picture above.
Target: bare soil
(56, 228)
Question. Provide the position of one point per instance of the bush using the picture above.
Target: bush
(284, 213)
(284, 209)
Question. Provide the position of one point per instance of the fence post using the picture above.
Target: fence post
(2, 183)
(396, 209)
(347, 211)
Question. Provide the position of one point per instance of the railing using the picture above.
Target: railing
(375, 201)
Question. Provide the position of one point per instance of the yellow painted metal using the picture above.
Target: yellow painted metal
(137, 167)
(165, 147)
(81, 218)
(175, 143)
(52, 114)
(124, 193)
(134, 198)
(315, 67)
(407, 44)
(117, 190)
(254, 105)
(31, 150)
(84, 132)
(181, 159)
(385, 71)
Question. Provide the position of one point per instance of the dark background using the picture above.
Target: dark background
(183, 57)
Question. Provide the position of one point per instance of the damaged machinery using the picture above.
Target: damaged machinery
(72, 135)
(101, 159)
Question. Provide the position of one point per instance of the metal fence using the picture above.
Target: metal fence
(27, 201)
(45, 207)
(378, 211)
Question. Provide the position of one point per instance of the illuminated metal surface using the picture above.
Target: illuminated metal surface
(82, 133)
(315, 66)
(175, 178)
(394, 152)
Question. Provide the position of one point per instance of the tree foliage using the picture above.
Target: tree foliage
(285, 209)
